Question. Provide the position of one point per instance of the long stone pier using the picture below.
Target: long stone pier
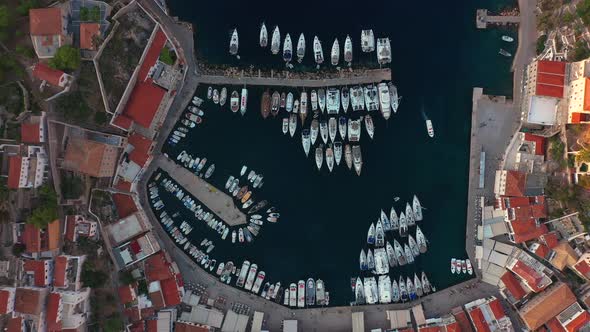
(483, 19)
(301, 80)
(216, 200)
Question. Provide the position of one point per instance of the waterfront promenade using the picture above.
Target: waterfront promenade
(214, 199)
(300, 80)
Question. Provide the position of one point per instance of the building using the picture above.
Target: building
(533, 274)
(42, 242)
(487, 315)
(77, 226)
(48, 29)
(7, 295)
(510, 183)
(89, 32)
(546, 305)
(136, 155)
(573, 318)
(67, 272)
(544, 90)
(29, 307)
(54, 77)
(68, 310)
(38, 273)
(135, 250)
(128, 227)
(90, 157)
(27, 170)
(578, 93)
(164, 281)
(33, 130)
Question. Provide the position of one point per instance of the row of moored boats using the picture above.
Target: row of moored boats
(192, 117)
(383, 289)
(459, 266)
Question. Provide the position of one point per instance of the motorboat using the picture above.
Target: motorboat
(310, 292)
(244, 101)
(322, 99)
(413, 245)
(369, 125)
(265, 104)
(301, 294)
(233, 43)
(296, 106)
(357, 159)
(468, 266)
(292, 124)
(403, 290)
(321, 295)
(393, 97)
(381, 263)
(342, 125)
(384, 100)
(335, 54)
(300, 48)
(348, 156)
(367, 41)
(371, 97)
(505, 53)
(348, 49)
(283, 102)
(338, 152)
(357, 98)
(330, 157)
(345, 99)
(285, 125)
(287, 49)
(243, 273)
(259, 279)
(453, 265)
(319, 156)
(332, 128)
(293, 295)
(314, 100)
(289, 105)
(223, 96)
(305, 140)
(314, 129)
(324, 130)
(371, 234)
(507, 39)
(383, 51)
(215, 96)
(318, 53)
(429, 128)
(354, 130)
(303, 109)
(274, 106)
(263, 35)
(275, 45)
(209, 92)
(384, 289)
(333, 101)
(234, 101)
(371, 296)
(399, 253)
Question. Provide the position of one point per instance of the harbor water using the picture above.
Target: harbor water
(438, 57)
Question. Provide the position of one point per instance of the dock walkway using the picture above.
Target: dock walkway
(294, 80)
(216, 200)
(483, 19)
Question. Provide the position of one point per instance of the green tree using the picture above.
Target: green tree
(18, 249)
(66, 58)
(567, 18)
(6, 22)
(46, 210)
(583, 11)
(91, 277)
(25, 51)
(113, 324)
(541, 44)
(74, 106)
(84, 14)
(26, 5)
(95, 14)
(583, 155)
(167, 56)
(580, 51)
(126, 277)
(100, 118)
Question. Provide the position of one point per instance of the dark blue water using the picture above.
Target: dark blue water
(438, 57)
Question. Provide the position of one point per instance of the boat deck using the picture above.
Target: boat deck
(216, 200)
(310, 80)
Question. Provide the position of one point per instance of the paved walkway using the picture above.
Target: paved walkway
(216, 200)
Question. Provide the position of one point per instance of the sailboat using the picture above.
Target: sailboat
(421, 239)
(292, 124)
(233, 43)
(300, 48)
(275, 45)
(338, 152)
(393, 97)
(348, 50)
(348, 156)
(303, 110)
(324, 131)
(330, 157)
(342, 125)
(319, 156)
(317, 51)
(305, 139)
(390, 254)
(287, 49)
(263, 36)
(363, 261)
(335, 54)
(393, 219)
(345, 99)
(371, 234)
(417, 208)
(332, 128)
(314, 100)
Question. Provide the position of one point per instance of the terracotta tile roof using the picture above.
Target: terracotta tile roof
(87, 33)
(549, 90)
(550, 78)
(479, 320)
(552, 67)
(14, 165)
(430, 329)
(132, 314)
(137, 326)
(53, 235)
(527, 230)
(554, 325)
(32, 238)
(513, 202)
(157, 300)
(29, 133)
(71, 228)
(54, 324)
(152, 325)
(123, 121)
(124, 204)
(141, 145)
(15, 324)
(36, 267)
(563, 256)
(126, 294)
(157, 267)
(547, 305)
(60, 269)
(4, 305)
(583, 268)
(533, 278)
(123, 185)
(185, 327)
(91, 158)
(497, 309)
(170, 292)
(453, 327)
(27, 301)
(515, 182)
(579, 322)
(550, 239)
(541, 250)
(513, 285)
(43, 72)
(461, 318)
(539, 143)
(147, 312)
(45, 21)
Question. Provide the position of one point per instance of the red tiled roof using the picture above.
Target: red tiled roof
(124, 204)
(577, 323)
(453, 327)
(14, 171)
(152, 325)
(71, 228)
(122, 121)
(61, 265)
(4, 296)
(554, 325)
(27, 301)
(497, 309)
(147, 312)
(29, 133)
(550, 78)
(542, 250)
(38, 270)
(461, 318)
(552, 67)
(157, 299)
(185, 327)
(137, 326)
(123, 185)
(141, 146)
(430, 329)
(132, 313)
(146, 97)
(32, 238)
(126, 294)
(549, 90)
(45, 21)
(53, 321)
(515, 182)
(170, 292)
(157, 267)
(14, 324)
(87, 33)
(532, 277)
(539, 143)
(550, 239)
(513, 202)
(513, 285)
(580, 117)
(45, 73)
(479, 320)
(527, 230)
(583, 268)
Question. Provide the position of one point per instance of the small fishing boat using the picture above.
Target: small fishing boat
(314, 100)
(324, 131)
(289, 105)
(275, 45)
(314, 131)
(338, 152)
(369, 125)
(330, 157)
(263, 35)
(318, 53)
(319, 156)
(305, 140)
(276, 99)
(332, 128)
(292, 124)
(342, 125)
(223, 96)
(345, 99)
(322, 99)
(234, 101)
(265, 104)
(300, 48)
(310, 292)
(335, 54)
(296, 106)
(348, 156)
(287, 49)
(507, 39)
(301, 294)
(233, 43)
(244, 101)
(285, 125)
(357, 159)
(348, 49)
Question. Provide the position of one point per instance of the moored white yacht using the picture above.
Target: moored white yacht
(357, 159)
(335, 54)
(332, 128)
(330, 157)
(233, 43)
(338, 152)
(300, 48)
(318, 53)
(384, 100)
(287, 49)
(345, 99)
(263, 35)
(383, 51)
(348, 49)
(367, 41)
(244, 101)
(275, 45)
(393, 97)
